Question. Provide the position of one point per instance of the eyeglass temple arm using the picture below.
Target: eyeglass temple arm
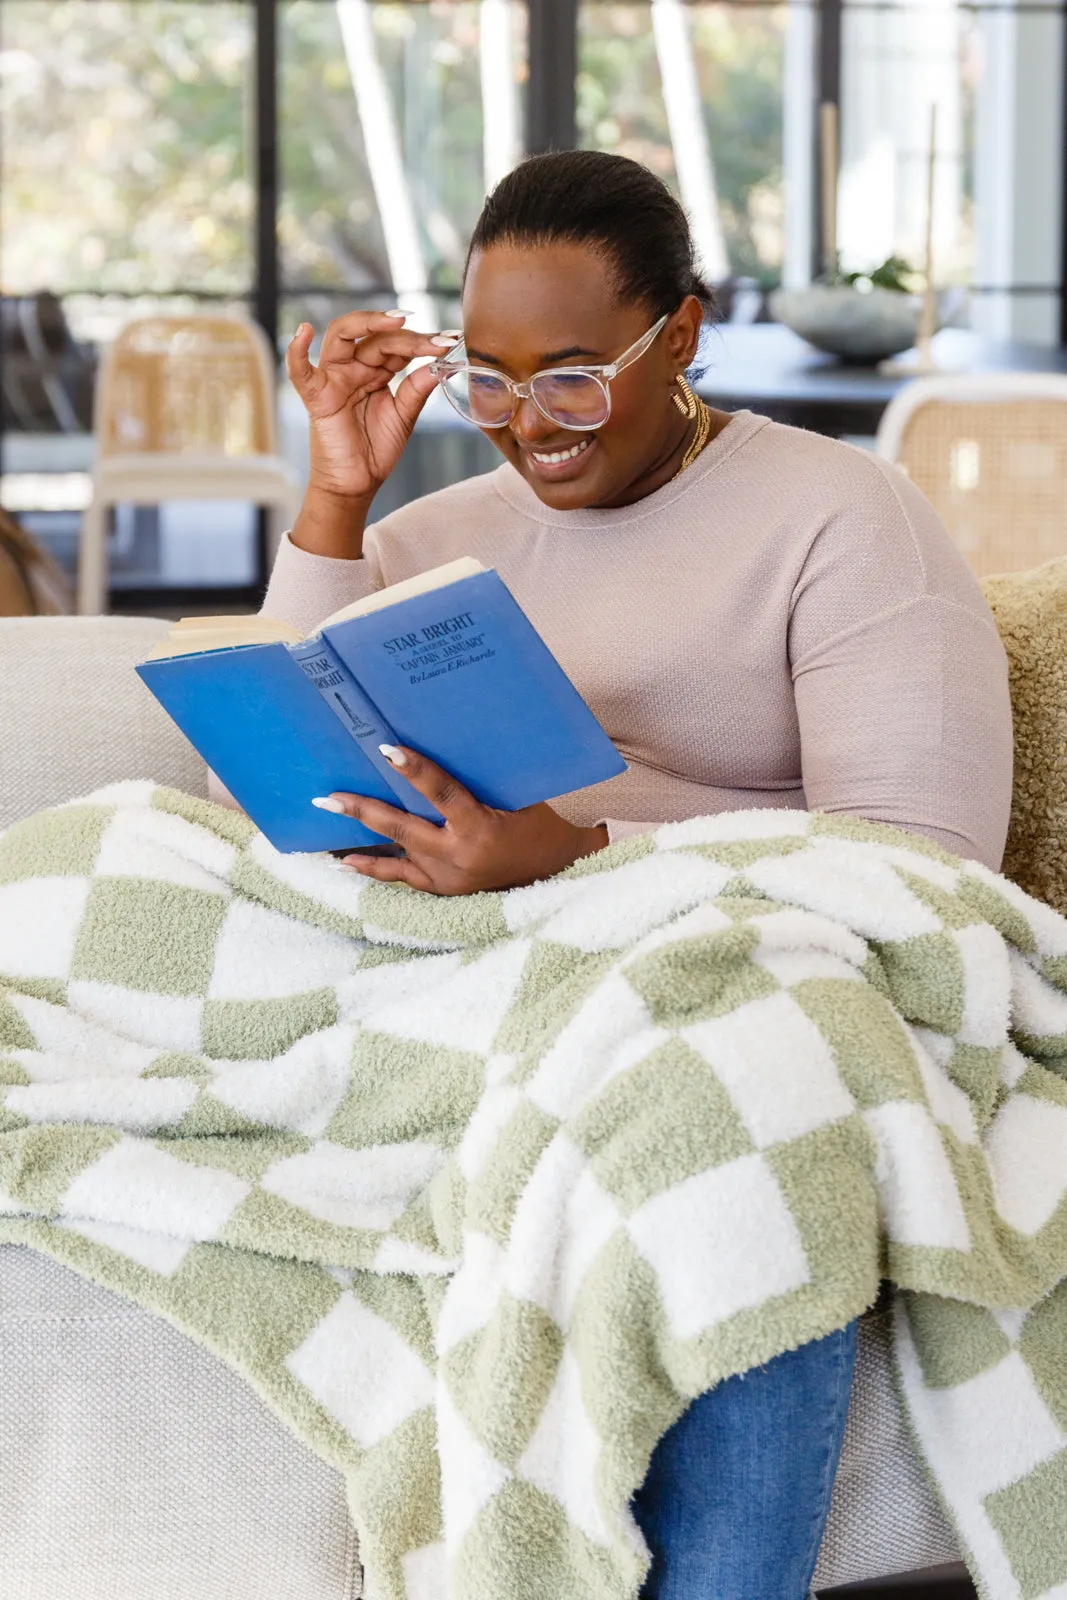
(636, 350)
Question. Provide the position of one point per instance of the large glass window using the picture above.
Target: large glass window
(126, 187)
(695, 91)
(898, 61)
(995, 73)
(150, 161)
(125, 147)
(394, 120)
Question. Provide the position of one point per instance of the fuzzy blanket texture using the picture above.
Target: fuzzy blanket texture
(479, 1193)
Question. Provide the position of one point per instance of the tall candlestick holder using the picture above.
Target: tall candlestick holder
(923, 362)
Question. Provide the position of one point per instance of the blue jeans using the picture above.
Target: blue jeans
(738, 1491)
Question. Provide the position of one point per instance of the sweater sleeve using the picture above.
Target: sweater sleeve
(903, 709)
(618, 829)
(304, 588)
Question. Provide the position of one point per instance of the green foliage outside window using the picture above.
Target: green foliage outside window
(738, 50)
(127, 129)
(125, 160)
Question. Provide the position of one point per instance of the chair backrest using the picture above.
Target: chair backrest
(175, 385)
(990, 452)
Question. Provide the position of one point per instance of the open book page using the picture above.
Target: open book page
(193, 635)
(421, 583)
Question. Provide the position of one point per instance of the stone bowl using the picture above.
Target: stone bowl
(854, 325)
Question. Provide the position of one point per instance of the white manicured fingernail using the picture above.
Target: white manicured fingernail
(393, 755)
(396, 313)
(326, 804)
(445, 341)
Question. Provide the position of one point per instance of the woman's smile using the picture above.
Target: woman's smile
(566, 461)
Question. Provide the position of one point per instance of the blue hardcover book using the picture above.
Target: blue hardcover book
(446, 663)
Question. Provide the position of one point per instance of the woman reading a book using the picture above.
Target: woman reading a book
(759, 617)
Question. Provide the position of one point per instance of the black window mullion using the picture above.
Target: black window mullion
(551, 122)
(265, 284)
(827, 88)
(265, 291)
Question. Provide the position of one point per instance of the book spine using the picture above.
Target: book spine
(321, 664)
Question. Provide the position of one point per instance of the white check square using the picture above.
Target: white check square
(718, 1243)
(361, 1371)
(39, 923)
(776, 1067)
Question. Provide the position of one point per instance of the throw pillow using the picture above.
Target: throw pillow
(1031, 613)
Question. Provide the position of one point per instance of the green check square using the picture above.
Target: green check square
(149, 935)
(954, 1342)
(15, 1031)
(1030, 1518)
(660, 1122)
(690, 979)
(256, 1030)
(54, 844)
(1043, 1346)
(871, 1048)
(500, 1377)
(928, 981)
(523, 1539)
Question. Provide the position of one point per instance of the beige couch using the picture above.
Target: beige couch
(133, 1464)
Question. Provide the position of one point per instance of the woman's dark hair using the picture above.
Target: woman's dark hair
(614, 204)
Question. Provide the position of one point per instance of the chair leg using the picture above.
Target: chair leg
(92, 561)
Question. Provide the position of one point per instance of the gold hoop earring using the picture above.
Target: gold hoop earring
(684, 398)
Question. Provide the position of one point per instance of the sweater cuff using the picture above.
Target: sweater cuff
(305, 588)
(624, 830)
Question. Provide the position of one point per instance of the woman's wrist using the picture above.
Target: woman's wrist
(330, 524)
(592, 840)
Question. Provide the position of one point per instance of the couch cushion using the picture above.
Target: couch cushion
(883, 1518)
(136, 1466)
(76, 716)
(1031, 613)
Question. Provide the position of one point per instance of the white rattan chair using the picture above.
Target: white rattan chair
(184, 411)
(990, 452)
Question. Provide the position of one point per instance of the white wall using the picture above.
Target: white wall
(1019, 171)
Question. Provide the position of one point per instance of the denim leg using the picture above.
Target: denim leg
(738, 1491)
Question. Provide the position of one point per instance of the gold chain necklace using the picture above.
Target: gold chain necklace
(690, 406)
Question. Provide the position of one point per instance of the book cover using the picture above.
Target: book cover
(263, 727)
(462, 675)
(454, 670)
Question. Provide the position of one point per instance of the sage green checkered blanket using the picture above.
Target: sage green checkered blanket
(478, 1193)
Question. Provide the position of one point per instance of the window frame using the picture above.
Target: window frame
(551, 124)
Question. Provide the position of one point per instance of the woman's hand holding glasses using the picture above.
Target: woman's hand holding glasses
(359, 426)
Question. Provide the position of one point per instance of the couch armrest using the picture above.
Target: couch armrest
(75, 715)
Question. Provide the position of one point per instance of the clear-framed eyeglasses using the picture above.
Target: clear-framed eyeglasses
(573, 397)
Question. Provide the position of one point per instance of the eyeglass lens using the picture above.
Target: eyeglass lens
(573, 399)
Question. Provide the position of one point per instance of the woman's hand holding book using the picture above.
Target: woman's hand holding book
(478, 848)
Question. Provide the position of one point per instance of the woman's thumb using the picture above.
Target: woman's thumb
(305, 378)
(413, 393)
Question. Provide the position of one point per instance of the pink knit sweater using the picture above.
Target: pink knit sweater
(785, 624)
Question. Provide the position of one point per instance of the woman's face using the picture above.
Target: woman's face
(530, 307)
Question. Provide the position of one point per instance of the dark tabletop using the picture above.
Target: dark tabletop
(765, 367)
